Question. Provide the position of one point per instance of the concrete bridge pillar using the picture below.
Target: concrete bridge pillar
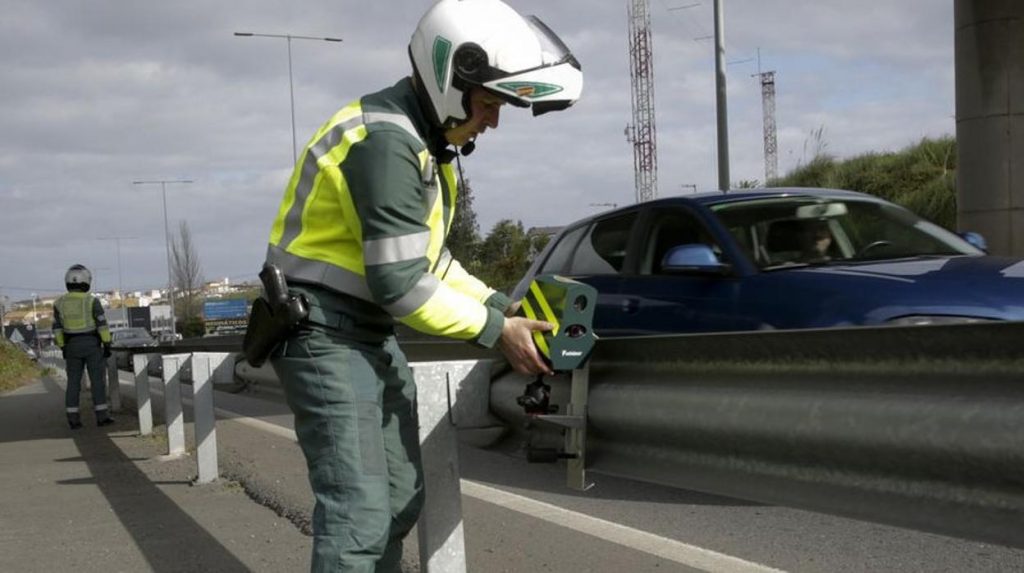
(989, 48)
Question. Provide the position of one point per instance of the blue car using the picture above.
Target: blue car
(780, 258)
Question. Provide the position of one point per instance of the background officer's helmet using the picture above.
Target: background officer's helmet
(78, 278)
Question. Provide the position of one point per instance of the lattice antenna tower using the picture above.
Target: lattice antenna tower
(641, 133)
(771, 148)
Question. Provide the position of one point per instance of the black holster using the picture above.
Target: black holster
(274, 317)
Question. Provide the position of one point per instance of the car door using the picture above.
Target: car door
(598, 259)
(656, 301)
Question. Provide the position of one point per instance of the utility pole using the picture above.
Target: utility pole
(721, 103)
(771, 147)
(291, 88)
(167, 237)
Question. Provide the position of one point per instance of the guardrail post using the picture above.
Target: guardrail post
(173, 417)
(206, 367)
(140, 366)
(113, 385)
(438, 385)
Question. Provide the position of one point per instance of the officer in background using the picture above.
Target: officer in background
(80, 330)
(360, 235)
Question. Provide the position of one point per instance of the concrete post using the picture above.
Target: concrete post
(989, 48)
(140, 365)
(172, 364)
(207, 367)
(439, 387)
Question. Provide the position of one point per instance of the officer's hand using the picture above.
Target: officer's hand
(516, 343)
(513, 308)
(107, 352)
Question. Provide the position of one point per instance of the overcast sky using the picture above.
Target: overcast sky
(97, 93)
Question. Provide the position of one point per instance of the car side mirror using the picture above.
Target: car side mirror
(693, 259)
(975, 239)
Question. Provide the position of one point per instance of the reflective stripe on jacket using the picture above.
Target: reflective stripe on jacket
(366, 214)
(79, 313)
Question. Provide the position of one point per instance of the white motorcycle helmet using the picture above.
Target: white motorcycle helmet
(459, 44)
(78, 278)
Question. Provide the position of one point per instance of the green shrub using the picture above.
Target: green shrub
(921, 177)
(16, 368)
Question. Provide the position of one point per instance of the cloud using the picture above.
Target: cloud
(98, 93)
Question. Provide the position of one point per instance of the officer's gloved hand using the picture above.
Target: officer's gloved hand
(107, 352)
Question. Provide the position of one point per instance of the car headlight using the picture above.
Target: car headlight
(928, 320)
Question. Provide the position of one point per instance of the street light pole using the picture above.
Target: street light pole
(291, 86)
(167, 237)
(120, 277)
(35, 322)
(721, 99)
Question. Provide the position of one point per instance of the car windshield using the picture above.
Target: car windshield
(781, 232)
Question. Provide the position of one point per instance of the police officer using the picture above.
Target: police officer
(80, 330)
(360, 234)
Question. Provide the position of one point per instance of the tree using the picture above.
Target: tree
(186, 272)
(464, 236)
(505, 255)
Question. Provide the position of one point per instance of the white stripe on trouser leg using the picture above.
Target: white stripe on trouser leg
(100, 407)
(72, 410)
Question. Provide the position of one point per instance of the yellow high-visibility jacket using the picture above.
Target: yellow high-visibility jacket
(79, 313)
(366, 214)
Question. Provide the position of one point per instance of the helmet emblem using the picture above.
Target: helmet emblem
(530, 90)
(442, 48)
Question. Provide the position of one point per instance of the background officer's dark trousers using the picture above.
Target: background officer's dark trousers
(81, 352)
(355, 417)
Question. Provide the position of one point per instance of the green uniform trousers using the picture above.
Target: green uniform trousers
(81, 352)
(355, 417)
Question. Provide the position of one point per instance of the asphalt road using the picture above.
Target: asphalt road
(521, 517)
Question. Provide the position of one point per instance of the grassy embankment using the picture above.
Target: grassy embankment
(16, 369)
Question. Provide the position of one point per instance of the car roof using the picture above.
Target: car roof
(735, 195)
(710, 198)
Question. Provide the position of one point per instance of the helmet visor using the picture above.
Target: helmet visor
(554, 49)
(553, 85)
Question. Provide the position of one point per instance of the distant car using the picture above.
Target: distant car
(168, 337)
(778, 259)
(128, 338)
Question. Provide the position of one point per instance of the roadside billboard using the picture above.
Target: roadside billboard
(225, 316)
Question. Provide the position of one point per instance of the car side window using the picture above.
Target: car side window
(672, 228)
(560, 253)
(603, 250)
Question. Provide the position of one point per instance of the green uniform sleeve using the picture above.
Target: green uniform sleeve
(386, 184)
(101, 320)
(58, 324)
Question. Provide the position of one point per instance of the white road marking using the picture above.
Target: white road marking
(663, 547)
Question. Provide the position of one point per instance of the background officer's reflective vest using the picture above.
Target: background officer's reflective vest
(75, 313)
(381, 241)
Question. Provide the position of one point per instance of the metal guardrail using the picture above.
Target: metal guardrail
(919, 427)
